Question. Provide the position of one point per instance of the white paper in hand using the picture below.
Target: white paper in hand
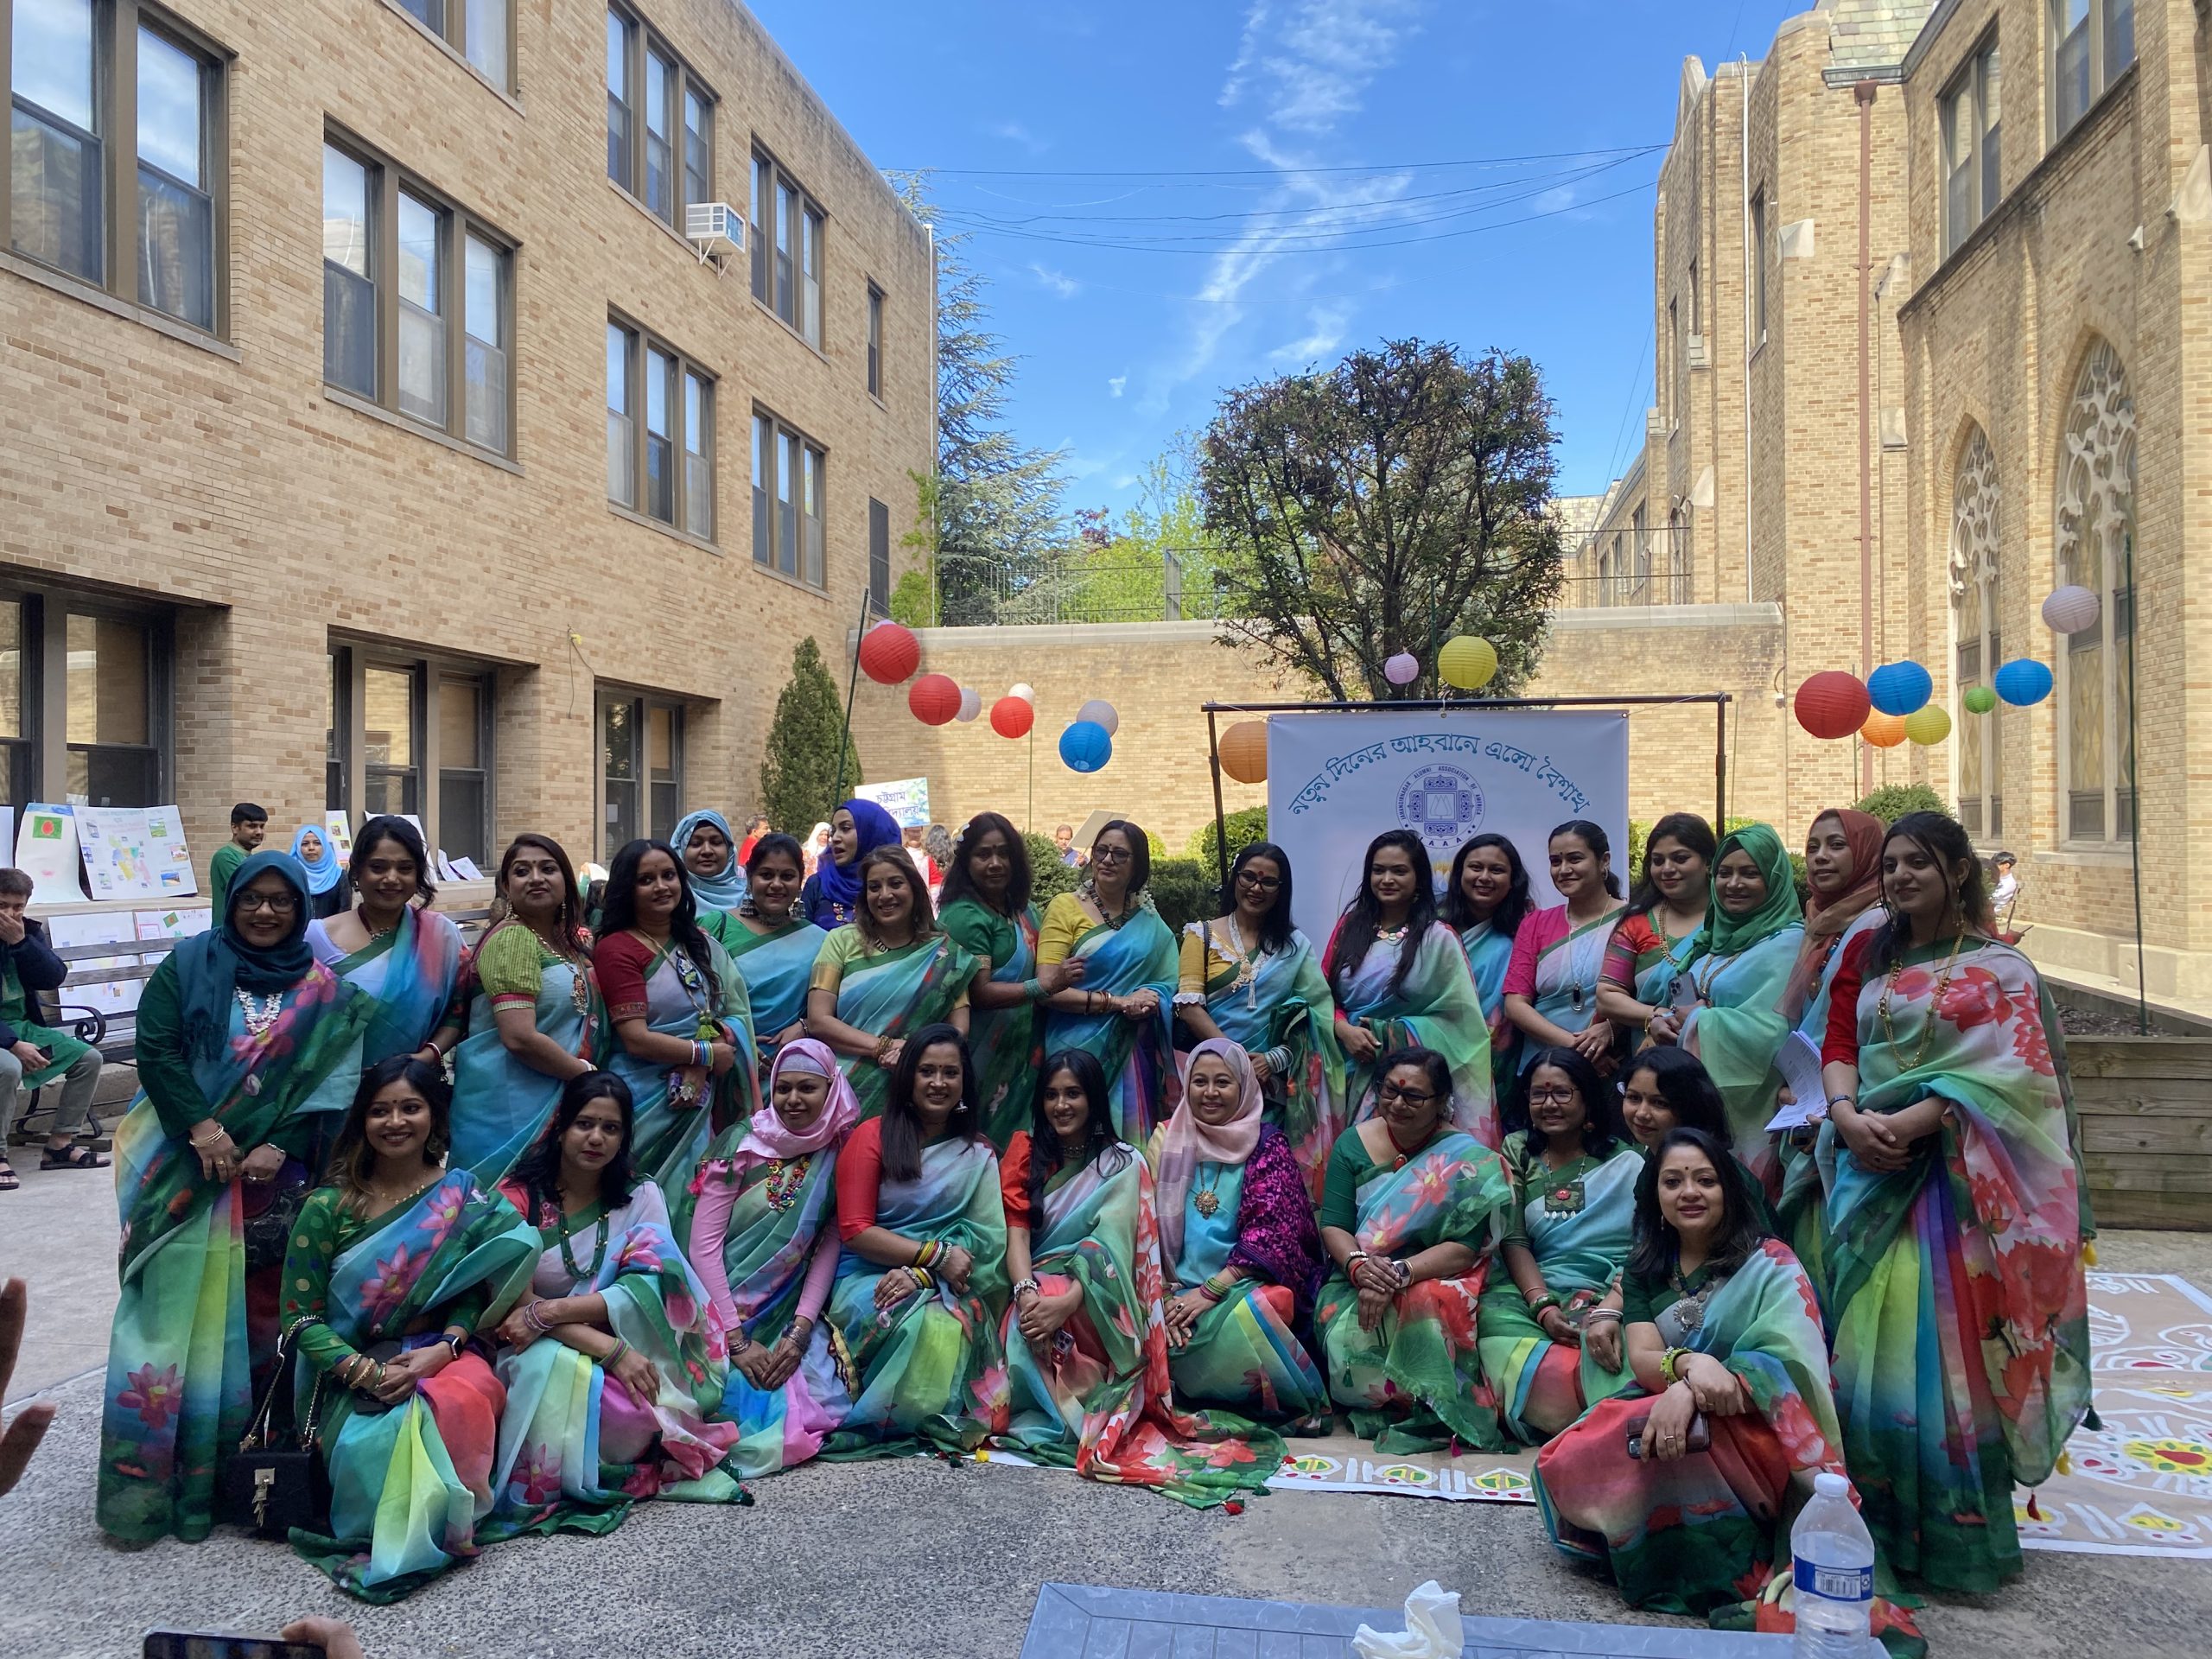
(1799, 1062)
(1432, 1629)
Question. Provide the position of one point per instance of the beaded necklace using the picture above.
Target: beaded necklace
(579, 970)
(598, 1254)
(785, 1177)
(260, 1012)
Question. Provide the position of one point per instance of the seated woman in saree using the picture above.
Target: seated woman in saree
(1237, 1241)
(1665, 1089)
(1400, 980)
(1956, 1220)
(682, 1027)
(1551, 1329)
(325, 871)
(1086, 1345)
(1483, 903)
(1652, 944)
(534, 1017)
(394, 1264)
(832, 897)
(248, 1052)
(612, 1361)
(762, 1235)
(923, 1272)
(392, 947)
(1551, 985)
(1734, 991)
(1406, 1222)
(986, 912)
(1252, 978)
(1119, 1013)
(772, 944)
(892, 973)
(1685, 1488)
(709, 854)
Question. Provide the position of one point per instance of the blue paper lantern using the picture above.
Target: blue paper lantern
(2022, 682)
(1086, 746)
(1900, 688)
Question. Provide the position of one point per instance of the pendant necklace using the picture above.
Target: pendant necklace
(579, 973)
(1689, 1311)
(1205, 1200)
(1248, 971)
(1404, 1151)
(361, 915)
(1934, 1003)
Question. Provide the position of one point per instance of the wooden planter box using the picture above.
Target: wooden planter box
(2146, 1105)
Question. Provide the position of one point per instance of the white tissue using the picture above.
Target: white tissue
(1432, 1629)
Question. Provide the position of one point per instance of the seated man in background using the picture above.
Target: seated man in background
(31, 1053)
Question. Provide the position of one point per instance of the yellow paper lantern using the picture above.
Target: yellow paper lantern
(1930, 723)
(1244, 751)
(1884, 731)
(1467, 663)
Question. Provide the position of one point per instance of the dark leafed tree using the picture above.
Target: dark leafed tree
(1387, 505)
(799, 782)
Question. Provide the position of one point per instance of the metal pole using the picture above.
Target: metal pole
(1220, 817)
(2135, 812)
(1720, 767)
(852, 686)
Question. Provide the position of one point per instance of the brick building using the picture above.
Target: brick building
(372, 434)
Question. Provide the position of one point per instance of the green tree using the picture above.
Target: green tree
(1387, 505)
(1892, 801)
(800, 785)
(1119, 570)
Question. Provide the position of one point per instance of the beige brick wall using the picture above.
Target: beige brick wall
(218, 476)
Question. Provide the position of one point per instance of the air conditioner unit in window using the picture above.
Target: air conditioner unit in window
(713, 227)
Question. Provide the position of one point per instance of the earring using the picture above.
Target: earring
(435, 1147)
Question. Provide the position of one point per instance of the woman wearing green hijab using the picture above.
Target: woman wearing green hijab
(1738, 972)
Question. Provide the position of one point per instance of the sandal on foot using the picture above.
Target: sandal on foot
(71, 1157)
(8, 1181)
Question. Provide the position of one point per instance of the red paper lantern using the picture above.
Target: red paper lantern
(935, 699)
(889, 652)
(1013, 717)
(1833, 704)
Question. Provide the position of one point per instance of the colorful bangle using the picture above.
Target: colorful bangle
(1671, 1363)
(1033, 989)
(1540, 1302)
(924, 1279)
(622, 1349)
(1214, 1289)
(1354, 1260)
(1029, 1284)
(929, 1251)
(1597, 1313)
(1278, 1059)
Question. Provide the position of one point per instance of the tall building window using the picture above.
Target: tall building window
(417, 302)
(464, 774)
(788, 509)
(1759, 254)
(641, 767)
(412, 734)
(478, 29)
(879, 555)
(2096, 549)
(1972, 173)
(874, 340)
(1974, 614)
(15, 777)
(113, 758)
(79, 124)
(788, 230)
(389, 741)
(660, 406)
(659, 120)
(101, 734)
(2092, 44)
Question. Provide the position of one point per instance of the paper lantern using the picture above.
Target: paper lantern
(1467, 663)
(1023, 689)
(1086, 746)
(1099, 712)
(1402, 669)
(1979, 699)
(1931, 724)
(1012, 716)
(2072, 610)
(889, 652)
(935, 699)
(1244, 751)
(1884, 731)
(2023, 682)
(971, 704)
(1833, 704)
(1899, 688)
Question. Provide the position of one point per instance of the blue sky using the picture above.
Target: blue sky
(1307, 117)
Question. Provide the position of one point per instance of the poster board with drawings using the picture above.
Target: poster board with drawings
(132, 852)
(45, 851)
(85, 988)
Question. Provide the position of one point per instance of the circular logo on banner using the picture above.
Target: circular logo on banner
(1441, 805)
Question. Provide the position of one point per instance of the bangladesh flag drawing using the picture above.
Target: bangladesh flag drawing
(46, 828)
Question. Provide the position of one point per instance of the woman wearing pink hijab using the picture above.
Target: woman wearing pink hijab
(1238, 1240)
(762, 1237)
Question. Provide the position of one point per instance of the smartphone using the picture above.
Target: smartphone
(217, 1644)
(1699, 1438)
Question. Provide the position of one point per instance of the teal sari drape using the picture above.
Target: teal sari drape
(410, 975)
(896, 993)
(501, 1106)
(1737, 1030)
(1488, 952)
(1138, 1055)
(1436, 1009)
(670, 1136)
(775, 967)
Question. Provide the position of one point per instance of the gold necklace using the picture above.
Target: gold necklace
(377, 1198)
(1928, 1029)
(579, 970)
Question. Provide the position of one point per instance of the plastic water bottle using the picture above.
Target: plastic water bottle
(1834, 1557)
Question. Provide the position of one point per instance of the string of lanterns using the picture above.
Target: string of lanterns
(890, 653)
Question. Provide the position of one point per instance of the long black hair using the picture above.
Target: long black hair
(1458, 913)
(960, 881)
(902, 1124)
(572, 898)
(1594, 837)
(1940, 837)
(1047, 1152)
(1276, 926)
(539, 1172)
(618, 907)
(352, 1159)
(1363, 917)
(1687, 827)
(1686, 1086)
(386, 827)
(1603, 1132)
(1652, 1254)
(1140, 852)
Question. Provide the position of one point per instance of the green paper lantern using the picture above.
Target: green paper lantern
(1979, 699)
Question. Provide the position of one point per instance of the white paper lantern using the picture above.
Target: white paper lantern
(2071, 609)
(1025, 691)
(971, 703)
(1100, 712)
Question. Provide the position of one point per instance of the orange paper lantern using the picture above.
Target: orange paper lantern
(889, 652)
(935, 699)
(1833, 704)
(1884, 731)
(1244, 751)
(1013, 717)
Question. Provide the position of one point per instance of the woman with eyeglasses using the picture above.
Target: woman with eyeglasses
(1400, 980)
(1551, 985)
(249, 1051)
(1250, 977)
(1405, 1221)
(392, 947)
(1551, 1329)
(1483, 902)
(1120, 1012)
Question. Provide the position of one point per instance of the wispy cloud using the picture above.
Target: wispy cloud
(1309, 63)
(1015, 133)
(1118, 384)
(1058, 283)
(1327, 324)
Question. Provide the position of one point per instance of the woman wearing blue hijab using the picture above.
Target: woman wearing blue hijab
(703, 842)
(326, 875)
(832, 897)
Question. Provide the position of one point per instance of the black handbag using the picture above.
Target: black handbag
(271, 1212)
(275, 1480)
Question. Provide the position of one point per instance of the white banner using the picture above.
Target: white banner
(1336, 780)
(906, 800)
